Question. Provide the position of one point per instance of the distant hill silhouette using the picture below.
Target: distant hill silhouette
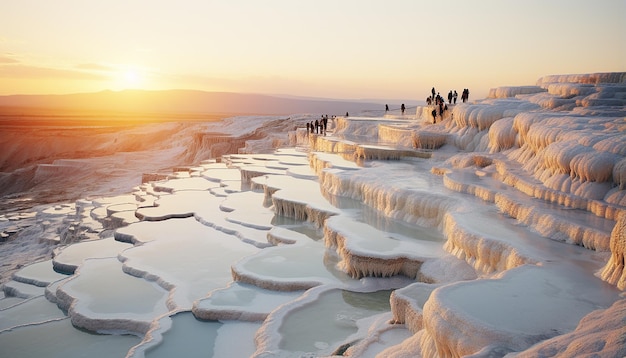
(182, 101)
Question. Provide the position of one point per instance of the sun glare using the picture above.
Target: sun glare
(129, 77)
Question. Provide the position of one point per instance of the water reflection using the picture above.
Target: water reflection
(319, 327)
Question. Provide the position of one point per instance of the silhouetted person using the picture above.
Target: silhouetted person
(465, 95)
(347, 114)
(434, 113)
(402, 108)
(455, 96)
(386, 108)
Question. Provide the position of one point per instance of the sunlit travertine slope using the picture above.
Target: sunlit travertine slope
(551, 156)
(496, 231)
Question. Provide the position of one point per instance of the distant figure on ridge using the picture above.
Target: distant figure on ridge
(386, 108)
(402, 108)
(455, 95)
(346, 114)
(465, 95)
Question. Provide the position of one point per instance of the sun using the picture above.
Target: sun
(130, 78)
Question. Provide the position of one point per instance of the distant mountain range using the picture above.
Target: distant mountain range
(182, 101)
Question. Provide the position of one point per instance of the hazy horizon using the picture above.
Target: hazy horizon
(278, 95)
(193, 102)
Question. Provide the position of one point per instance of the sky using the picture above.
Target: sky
(342, 49)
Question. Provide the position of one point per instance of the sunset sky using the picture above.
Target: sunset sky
(359, 49)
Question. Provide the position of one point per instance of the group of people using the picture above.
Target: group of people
(436, 99)
(439, 102)
(452, 97)
(319, 126)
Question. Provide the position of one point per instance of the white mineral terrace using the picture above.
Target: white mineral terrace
(497, 231)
